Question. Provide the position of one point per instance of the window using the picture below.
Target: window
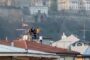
(39, 11)
(79, 44)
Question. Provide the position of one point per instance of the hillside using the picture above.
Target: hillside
(54, 26)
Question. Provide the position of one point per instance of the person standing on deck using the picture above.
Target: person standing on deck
(38, 30)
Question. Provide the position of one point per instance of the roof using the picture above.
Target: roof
(6, 50)
(32, 45)
(5, 42)
(65, 42)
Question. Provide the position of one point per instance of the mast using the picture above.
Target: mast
(82, 9)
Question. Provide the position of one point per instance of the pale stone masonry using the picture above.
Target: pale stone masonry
(73, 4)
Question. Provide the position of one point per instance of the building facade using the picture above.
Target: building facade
(31, 50)
(40, 2)
(39, 6)
(87, 5)
(73, 4)
(5, 2)
(41, 9)
(21, 3)
(17, 3)
(63, 4)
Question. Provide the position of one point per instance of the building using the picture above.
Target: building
(16, 3)
(68, 4)
(65, 41)
(5, 2)
(31, 50)
(79, 47)
(36, 3)
(21, 3)
(87, 4)
(74, 5)
(40, 3)
(71, 43)
(10, 52)
(63, 4)
(39, 6)
(37, 9)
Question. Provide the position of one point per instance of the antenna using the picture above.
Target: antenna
(84, 30)
(23, 27)
(6, 38)
(83, 10)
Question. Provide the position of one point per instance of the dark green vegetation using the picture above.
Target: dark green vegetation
(54, 26)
